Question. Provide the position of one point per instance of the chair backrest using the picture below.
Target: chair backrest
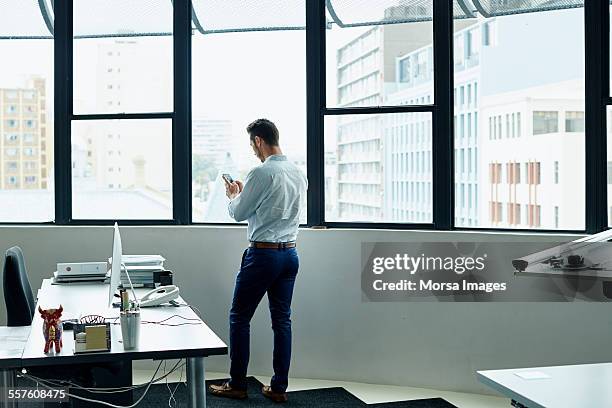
(18, 297)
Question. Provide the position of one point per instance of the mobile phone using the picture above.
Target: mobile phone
(228, 179)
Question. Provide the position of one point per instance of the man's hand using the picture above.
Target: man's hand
(233, 189)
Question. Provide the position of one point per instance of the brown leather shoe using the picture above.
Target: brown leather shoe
(266, 390)
(226, 390)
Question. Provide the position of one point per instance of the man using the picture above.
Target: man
(271, 200)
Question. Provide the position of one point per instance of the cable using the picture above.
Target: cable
(180, 381)
(58, 383)
(192, 321)
(193, 309)
(108, 403)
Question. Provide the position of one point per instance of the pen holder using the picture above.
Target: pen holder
(130, 329)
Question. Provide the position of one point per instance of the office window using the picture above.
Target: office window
(29, 151)
(469, 125)
(574, 122)
(136, 184)
(495, 173)
(469, 95)
(362, 189)
(140, 184)
(513, 89)
(274, 89)
(143, 64)
(545, 122)
(508, 132)
(26, 89)
(370, 65)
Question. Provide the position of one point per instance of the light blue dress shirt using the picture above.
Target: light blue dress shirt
(272, 201)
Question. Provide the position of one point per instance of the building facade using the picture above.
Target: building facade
(25, 142)
(366, 72)
(519, 138)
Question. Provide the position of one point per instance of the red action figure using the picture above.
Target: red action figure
(52, 328)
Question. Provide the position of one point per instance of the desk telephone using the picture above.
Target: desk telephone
(157, 296)
(160, 295)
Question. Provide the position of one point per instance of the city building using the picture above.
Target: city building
(25, 138)
(212, 139)
(518, 144)
(111, 147)
(366, 70)
(531, 125)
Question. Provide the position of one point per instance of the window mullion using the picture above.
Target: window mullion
(596, 15)
(443, 145)
(181, 124)
(62, 110)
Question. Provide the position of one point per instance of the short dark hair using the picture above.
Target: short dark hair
(264, 128)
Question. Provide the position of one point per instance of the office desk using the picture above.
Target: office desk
(192, 342)
(584, 385)
(12, 343)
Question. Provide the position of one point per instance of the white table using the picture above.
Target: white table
(12, 343)
(192, 342)
(571, 386)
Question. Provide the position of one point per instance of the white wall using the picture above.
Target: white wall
(336, 336)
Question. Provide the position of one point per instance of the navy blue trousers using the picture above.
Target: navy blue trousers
(262, 271)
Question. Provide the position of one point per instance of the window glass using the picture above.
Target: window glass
(134, 182)
(26, 130)
(378, 168)
(229, 93)
(545, 122)
(574, 121)
(379, 64)
(529, 122)
(114, 71)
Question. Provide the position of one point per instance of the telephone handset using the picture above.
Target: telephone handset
(160, 295)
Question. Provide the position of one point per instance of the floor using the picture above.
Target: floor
(368, 393)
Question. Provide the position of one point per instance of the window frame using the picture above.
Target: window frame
(597, 100)
(180, 117)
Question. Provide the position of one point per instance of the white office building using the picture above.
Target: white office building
(518, 146)
(365, 73)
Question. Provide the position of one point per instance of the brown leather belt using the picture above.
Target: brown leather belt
(272, 245)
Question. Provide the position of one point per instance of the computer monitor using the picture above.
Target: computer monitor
(115, 277)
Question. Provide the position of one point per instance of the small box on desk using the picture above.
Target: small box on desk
(91, 337)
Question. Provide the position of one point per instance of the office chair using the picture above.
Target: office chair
(18, 297)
